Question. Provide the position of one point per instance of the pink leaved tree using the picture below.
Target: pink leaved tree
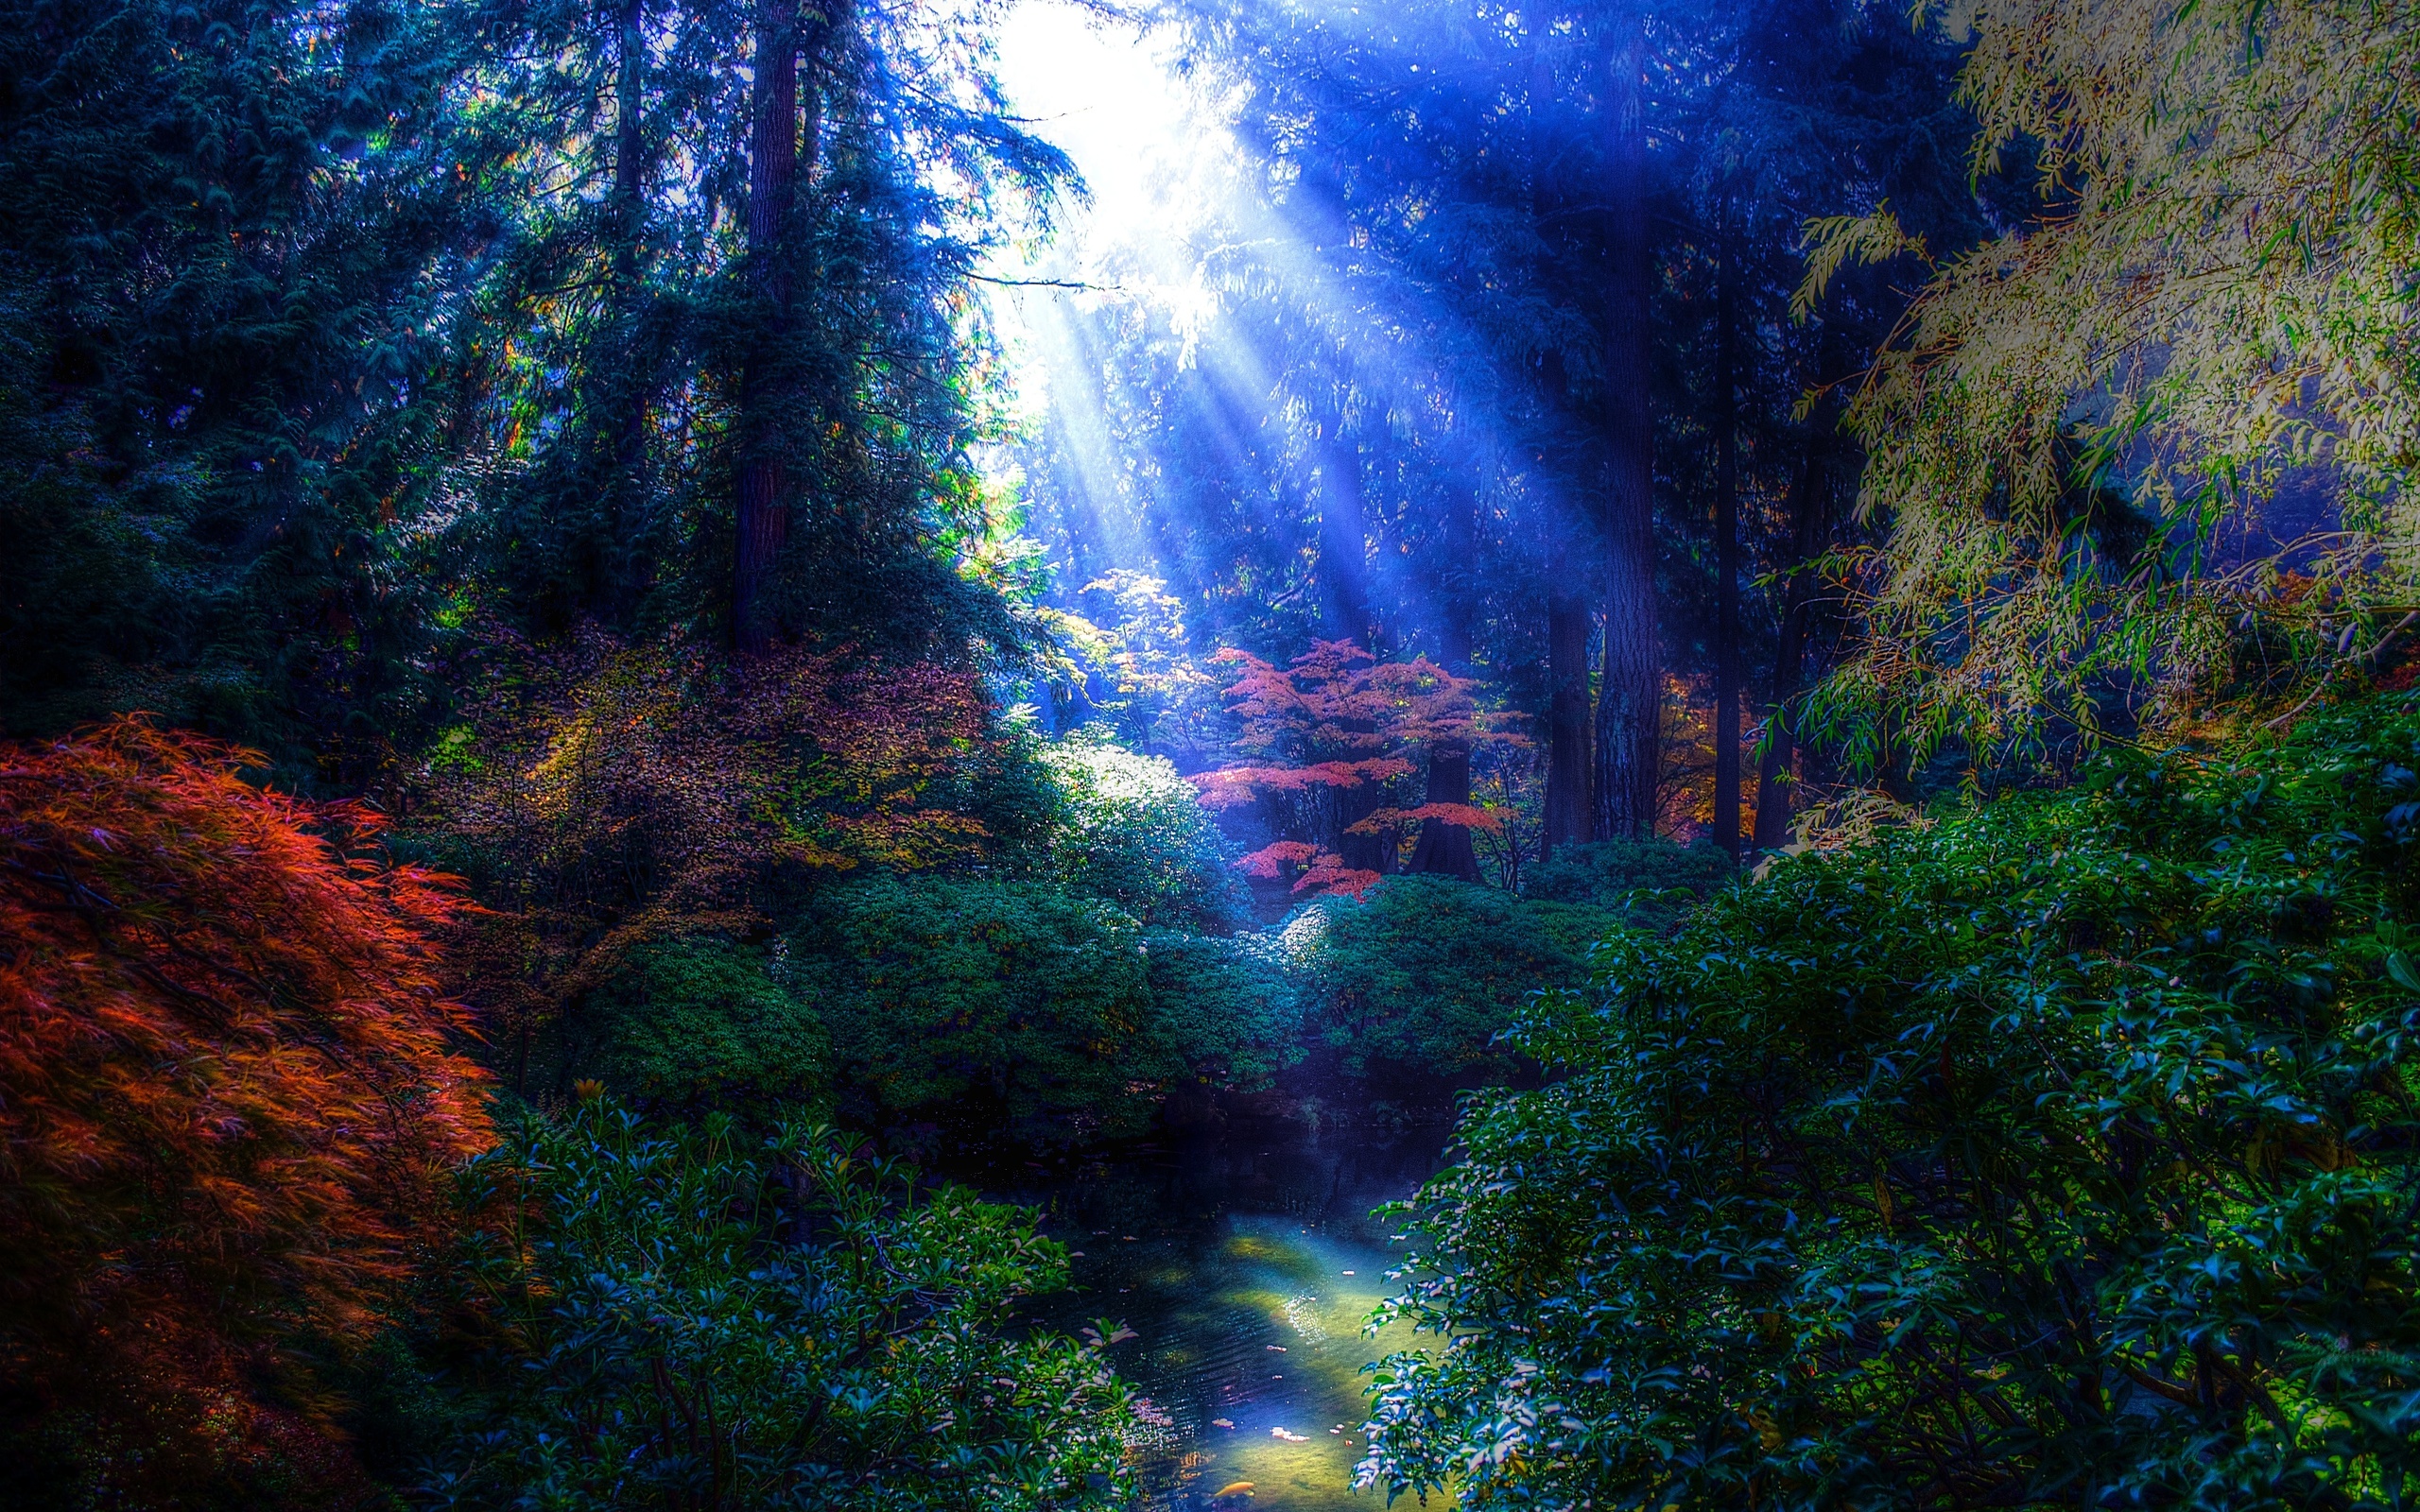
(1324, 744)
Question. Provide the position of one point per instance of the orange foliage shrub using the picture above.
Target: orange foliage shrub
(227, 1096)
(613, 795)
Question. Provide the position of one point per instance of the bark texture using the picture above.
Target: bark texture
(789, 46)
(1629, 695)
(1566, 807)
(1445, 849)
(1808, 505)
(1565, 820)
(1726, 555)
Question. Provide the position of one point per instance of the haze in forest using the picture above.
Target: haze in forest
(896, 755)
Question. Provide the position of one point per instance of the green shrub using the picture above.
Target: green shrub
(938, 989)
(702, 1023)
(1224, 1007)
(908, 997)
(1426, 970)
(1130, 831)
(1610, 874)
(649, 1339)
(2061, 1153)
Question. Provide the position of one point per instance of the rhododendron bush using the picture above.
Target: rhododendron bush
(229, 1093)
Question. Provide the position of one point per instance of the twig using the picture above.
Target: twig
(2317, 688)
(2360, 659)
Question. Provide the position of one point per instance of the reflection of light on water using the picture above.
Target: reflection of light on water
(1259, 1372)
(1301, 1313)
(1242, 1305)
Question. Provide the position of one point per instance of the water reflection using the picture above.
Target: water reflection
(1242, 1251)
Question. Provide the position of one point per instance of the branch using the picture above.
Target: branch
(2388, 639)
(1047, 283)
(2182, 1395)
(2329, 676)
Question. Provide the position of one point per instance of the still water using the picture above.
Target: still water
(1242, 1250)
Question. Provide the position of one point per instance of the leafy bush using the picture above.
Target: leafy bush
(227, 1085)
(1610, 874)
(703, 1022)
(1130, 829)
(1224, 1007)
(940, 990)
(2062, 1152)
(673, 1323)
(606, 796)
(1426, 970)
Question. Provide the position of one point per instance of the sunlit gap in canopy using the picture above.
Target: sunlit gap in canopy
(1106, 94)
(1173, 212)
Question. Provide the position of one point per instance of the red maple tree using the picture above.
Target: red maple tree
(229, 1096)
(1338, 722)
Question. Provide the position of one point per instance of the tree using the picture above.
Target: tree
(1768, 113)
(222, 377)
(229, 1090)
(788, 125)
(1129, 831)
(1727, 690)
(603, 795)
(1630, 696)
(1427, 258)
(323, 331)
(1809, 508)
(1326, 735)
(2204, 319)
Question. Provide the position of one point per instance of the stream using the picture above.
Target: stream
(1240, 1247)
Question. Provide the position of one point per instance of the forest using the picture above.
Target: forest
(1186, 755)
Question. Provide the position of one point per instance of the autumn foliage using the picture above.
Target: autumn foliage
(611, 794)
(228, 1091)
(1336, 725)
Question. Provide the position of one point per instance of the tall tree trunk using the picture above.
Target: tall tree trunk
(1344, 595)
(1566, 807)
(1630, 698)
(629, 486)
(1364, 852)
(1808, 507)
(1567, 764)
(630, 116)
(1726, 552)
(773, 198)
(1445, 849)
(784, 138)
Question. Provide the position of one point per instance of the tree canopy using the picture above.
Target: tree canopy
(688, 687)
(2173, 405)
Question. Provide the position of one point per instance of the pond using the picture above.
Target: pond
(1241, 1249)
